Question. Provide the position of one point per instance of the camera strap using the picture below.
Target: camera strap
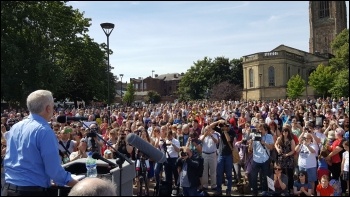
(66, 147)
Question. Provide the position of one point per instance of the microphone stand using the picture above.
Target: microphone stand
(120, 157)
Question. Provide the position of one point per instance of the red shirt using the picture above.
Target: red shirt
(336, 157)
(325, 191)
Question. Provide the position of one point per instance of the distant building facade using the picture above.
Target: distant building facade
(165, 85)
(266, 74)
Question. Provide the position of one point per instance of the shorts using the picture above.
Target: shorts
(321, 172)
(311, 173)
(345, 175)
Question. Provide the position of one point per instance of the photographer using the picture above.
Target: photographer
(188, 177)
(262, 143)
(94, 143)
(142, 169)
(307, 150)
(225, 159)
(172, 149)
(209, 142)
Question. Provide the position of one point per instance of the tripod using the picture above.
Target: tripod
(142, 176)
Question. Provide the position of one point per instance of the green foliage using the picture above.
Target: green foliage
(322, 79)
(340, 46)
(206, 73)
(129, 96)
(341, 84)
(153, 97)
(295, 87)
(44, 45)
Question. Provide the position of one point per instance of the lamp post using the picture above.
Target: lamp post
(108, 28)
(121, 85)
(152, 73)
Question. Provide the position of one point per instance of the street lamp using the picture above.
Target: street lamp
(152, 73)
(121, 85)
(108, 28)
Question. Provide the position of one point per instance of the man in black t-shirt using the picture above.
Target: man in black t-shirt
(225, 160)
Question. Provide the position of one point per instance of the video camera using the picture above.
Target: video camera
(92, 132)
(183, 154)
(257, 134)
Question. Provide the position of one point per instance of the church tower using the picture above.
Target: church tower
(327, 20)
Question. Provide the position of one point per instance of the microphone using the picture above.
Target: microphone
(146, 148)
(97, 155)
(64, 119)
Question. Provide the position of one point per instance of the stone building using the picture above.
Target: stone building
(266, 74)
(165, 85)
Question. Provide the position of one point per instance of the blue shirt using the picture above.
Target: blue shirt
(32, 157)
(261, 153)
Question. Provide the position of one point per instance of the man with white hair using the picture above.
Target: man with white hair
(31, 159)
(94, 187)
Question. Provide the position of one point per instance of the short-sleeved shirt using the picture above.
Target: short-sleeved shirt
(298, 185)
(224, 148)
(261, 153)
(325, 191)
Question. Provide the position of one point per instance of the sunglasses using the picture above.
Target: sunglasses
(278, 169)
(301, 175)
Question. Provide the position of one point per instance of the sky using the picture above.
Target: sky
(170, 36)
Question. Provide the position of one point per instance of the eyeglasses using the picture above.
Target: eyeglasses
(279, 169)
(301, 175)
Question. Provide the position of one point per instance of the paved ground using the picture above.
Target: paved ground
(211, 192)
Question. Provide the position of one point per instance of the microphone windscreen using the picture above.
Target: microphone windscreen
(62, 119)
(146, 148)
(96, 155)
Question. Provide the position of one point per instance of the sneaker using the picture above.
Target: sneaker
(217, 193)
(228, 193)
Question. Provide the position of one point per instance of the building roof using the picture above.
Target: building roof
(169, 77)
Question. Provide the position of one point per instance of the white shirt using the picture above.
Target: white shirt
(346, 163)
(306, 158)
(171, 149)
(208, 144)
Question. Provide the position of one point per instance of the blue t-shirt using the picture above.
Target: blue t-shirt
(322, 163)
(298, 185)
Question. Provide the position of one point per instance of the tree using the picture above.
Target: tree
(340, 46)
(226, 91)
(295, 87)
(153, 97)
(321, 79)
(206, 73)
(341, 84)
(129, 96)
(44, 45)
(31, 35)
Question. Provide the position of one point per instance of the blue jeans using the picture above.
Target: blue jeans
(225, 164)
(264, 169)
(157, 170)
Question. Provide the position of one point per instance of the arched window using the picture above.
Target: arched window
(271, 76)
(251, 78)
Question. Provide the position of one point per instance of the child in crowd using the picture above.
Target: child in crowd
(345, 164)
(323, 188)
(323, 164)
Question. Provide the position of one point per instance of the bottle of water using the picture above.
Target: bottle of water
(91, 170)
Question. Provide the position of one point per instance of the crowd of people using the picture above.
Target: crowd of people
(301, 145)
